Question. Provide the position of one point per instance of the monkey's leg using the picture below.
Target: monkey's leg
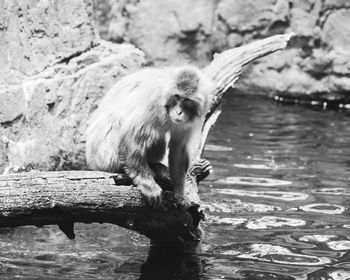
(137, 169)
(149, 188)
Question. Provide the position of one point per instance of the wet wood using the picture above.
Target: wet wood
(66, 197)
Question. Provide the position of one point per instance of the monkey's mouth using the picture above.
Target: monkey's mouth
(179, 120)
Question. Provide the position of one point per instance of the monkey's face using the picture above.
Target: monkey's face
(187, 95)
(181, 110)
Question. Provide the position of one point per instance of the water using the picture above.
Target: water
(277, 207)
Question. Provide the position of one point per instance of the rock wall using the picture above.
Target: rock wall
(178, 32)
(53, 70)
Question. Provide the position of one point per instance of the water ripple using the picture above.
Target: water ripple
(225, 221)
(274, 222)
(253, 181)
(217, 148)
(279, 195)
(236, 206)
(339, 245)
(277, 254)
(324, 208)
(268, 166)
(317, 238)
(333, 191)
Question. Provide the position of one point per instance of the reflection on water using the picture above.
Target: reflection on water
(277, 208)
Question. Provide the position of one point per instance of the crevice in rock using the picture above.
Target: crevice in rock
(39, 33)
(325, 13)
(304, 43)
(7, 124)
(278, 27)
(50, 107)
(67, 59)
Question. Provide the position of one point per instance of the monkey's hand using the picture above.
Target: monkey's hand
(173, 200)
(182, 200)
(151, 192)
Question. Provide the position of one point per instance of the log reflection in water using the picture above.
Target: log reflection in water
(173, 261)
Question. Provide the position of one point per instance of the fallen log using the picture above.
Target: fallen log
(66, 197)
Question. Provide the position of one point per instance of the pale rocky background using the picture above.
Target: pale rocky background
(54, 66)
(53, 70)
(178, 32)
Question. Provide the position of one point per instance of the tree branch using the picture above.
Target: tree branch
(40, 198)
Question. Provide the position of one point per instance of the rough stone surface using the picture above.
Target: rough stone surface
(54, 71)
(167, 31)
(176, 32)
(36, 34)
(43, 127)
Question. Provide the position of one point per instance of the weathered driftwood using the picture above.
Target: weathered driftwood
(40, 198)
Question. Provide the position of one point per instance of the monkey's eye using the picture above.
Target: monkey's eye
(190, 106)
(176, 97)
(188, 103)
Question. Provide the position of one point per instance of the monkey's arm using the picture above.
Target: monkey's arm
(178, 163)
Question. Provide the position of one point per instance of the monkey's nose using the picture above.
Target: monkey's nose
(179, 112)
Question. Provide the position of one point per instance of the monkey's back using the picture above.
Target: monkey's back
(129, 113)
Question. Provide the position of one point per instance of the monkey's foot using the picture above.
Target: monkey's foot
(162, 176)
(200, 169)
(152, 194)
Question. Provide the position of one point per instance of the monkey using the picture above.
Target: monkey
(151, 116)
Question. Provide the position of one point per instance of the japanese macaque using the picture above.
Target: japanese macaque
(145, 117)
